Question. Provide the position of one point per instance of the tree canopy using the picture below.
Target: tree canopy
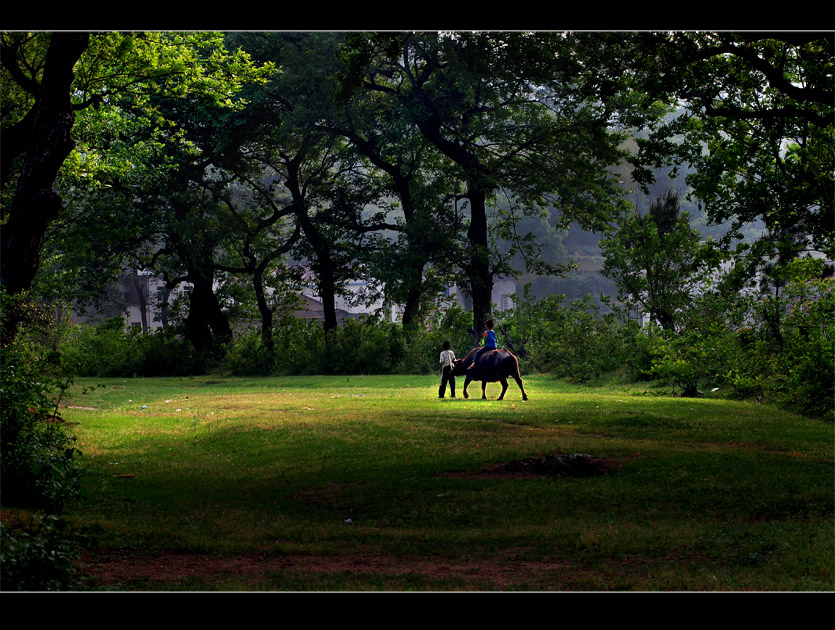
(754, 122)
(412, 159)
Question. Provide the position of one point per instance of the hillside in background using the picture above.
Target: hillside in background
(582, 247)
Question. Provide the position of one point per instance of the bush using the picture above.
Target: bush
(110, 349)
(365, 345)
(38, 462)
(370, 345)
(451, 323)
(300, 346)
(247, 355)
(39, 555)
(645, 346)
(776, 348)
(38, 466)
(807, 349)
(695, 360)
(571, 341)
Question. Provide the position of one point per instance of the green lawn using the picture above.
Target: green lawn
(364, 483)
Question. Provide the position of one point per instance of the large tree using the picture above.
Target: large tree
(507, 112)
(657, 260)
(755, 124)
(287, 133)
(51, 78)
(36, 145)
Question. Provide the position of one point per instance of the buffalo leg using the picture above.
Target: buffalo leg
(466, 382)
(519, 383)
(483, 389)
(504, 388)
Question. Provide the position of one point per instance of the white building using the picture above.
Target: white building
(503, 288)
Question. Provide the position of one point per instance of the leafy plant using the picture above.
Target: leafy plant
(571, 341)
(37, 460)
(656, 260)
(39, 554)
(112, 349)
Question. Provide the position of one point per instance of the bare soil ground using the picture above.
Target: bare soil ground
(179, 568)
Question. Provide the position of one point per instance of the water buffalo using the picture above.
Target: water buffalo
(491, 366)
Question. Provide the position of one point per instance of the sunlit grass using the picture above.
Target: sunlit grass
(710, 494)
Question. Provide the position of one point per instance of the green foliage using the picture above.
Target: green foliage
(370, 345)
(367, 345)
(112, 349)
(246, 355)
(688, 361)
(808, 338)
(572, 341)
(725, 342)
(39, 467)
(754, 123)
(645, 346)
(656, 260)
(363, 346)
(40, 553)
(423, 346)
(777, 348)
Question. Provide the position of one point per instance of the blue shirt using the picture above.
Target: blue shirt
(490, 339)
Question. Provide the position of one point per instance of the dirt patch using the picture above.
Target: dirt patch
(510, 569)
(574, 465)
(170, 569)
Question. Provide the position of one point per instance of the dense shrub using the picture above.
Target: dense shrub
(777, 348)
(423, 343)
(38, 463)
(39, 555)
(692, 360)
(299, 346)
(38, 466)
(804, 354)
(110, 349)
(572, 341)
(247, 356)
(366, 345)
(646, 344)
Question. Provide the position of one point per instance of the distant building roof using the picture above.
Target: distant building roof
(314, 309)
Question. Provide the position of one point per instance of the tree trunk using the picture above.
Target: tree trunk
(412, 275)
(327, 292)
(478, 271)
(206, 326)
(141, 289)
(35, 203)
(321, 248)
(266, 316)
(480, 275)
(164, 307)
(411, 309)
(402, 180)
(323, 265)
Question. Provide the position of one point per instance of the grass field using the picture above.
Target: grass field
(373, 483)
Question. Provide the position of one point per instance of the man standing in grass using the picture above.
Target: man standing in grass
(447, 357)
